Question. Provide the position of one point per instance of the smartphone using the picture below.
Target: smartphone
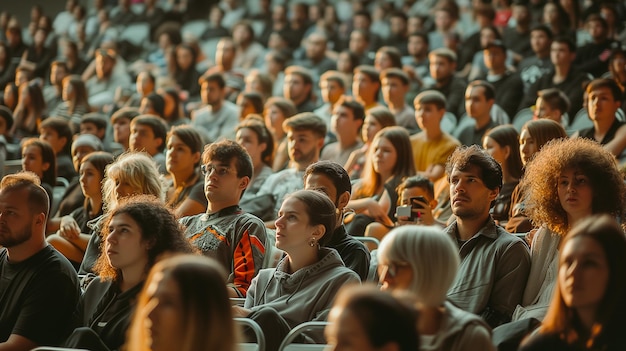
(417, 202)
(405, 211)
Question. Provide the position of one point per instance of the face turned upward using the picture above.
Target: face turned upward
(471, 199)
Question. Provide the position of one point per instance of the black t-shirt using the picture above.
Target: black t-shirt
(353, 252)
(72, 199)
(107, 311)
(589, 133)
(37, 297)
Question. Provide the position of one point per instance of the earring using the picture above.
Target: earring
(312, 242)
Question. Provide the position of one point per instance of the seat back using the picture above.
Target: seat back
(581, 121)
(522, 116)
(57, 193)
(289, 345)
(194, 28)
(368, 240)
(260, 337)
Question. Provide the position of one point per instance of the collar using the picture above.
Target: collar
(226, 211)
(488, 230)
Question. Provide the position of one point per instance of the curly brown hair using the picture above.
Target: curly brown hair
(158, 226)
(540, 182)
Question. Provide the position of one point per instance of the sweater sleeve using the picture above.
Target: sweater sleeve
(248, 252)
(511, 276)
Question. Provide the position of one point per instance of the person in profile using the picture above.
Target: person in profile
(39, 285)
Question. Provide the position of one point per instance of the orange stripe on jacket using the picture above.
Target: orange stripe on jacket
(243, 261)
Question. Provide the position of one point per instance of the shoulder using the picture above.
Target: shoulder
(248, 219)
(97, 288)
(418, 138)
(541, 341)
(471, 327)
(507, 239)
(190, 221)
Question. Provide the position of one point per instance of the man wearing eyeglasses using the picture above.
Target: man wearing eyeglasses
(225, 232)
(494, 264)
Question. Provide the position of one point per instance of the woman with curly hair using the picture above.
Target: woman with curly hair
(569, 180)
(135, 234)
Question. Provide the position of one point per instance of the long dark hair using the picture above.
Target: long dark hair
(158, 226)
(562, 319)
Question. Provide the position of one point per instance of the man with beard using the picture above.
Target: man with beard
(102, 85)
(494, 264)
(305, 138)
(38, 286)
(218, 117)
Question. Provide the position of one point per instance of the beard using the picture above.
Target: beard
(9, 239)
(302, 157)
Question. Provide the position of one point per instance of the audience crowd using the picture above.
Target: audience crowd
(162, 160)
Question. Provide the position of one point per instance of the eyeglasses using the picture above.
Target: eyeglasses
(390, 270)
(219, 170)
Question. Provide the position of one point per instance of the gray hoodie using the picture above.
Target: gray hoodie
(303, 295)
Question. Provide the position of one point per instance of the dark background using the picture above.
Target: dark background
(21, 8)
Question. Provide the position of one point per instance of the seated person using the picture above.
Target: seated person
(333, 180)
(502, 143)
(374, 198)
(424, 261)
(57, 132)
(503, 259)
(195, 285)
(235, 238)
(98, 124)
(305, 133)
(373, 319)
(73, 197)
(39, 287)
(346, 123)
(604, 98)
(148, 134)
(73, 235)
(120, 121)
(432, 146)
(552, 104)
(135, 234)
(38, 157)
(304, 284)
(132, 173)
(255, 137)
(185, 187)
(416, 192)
